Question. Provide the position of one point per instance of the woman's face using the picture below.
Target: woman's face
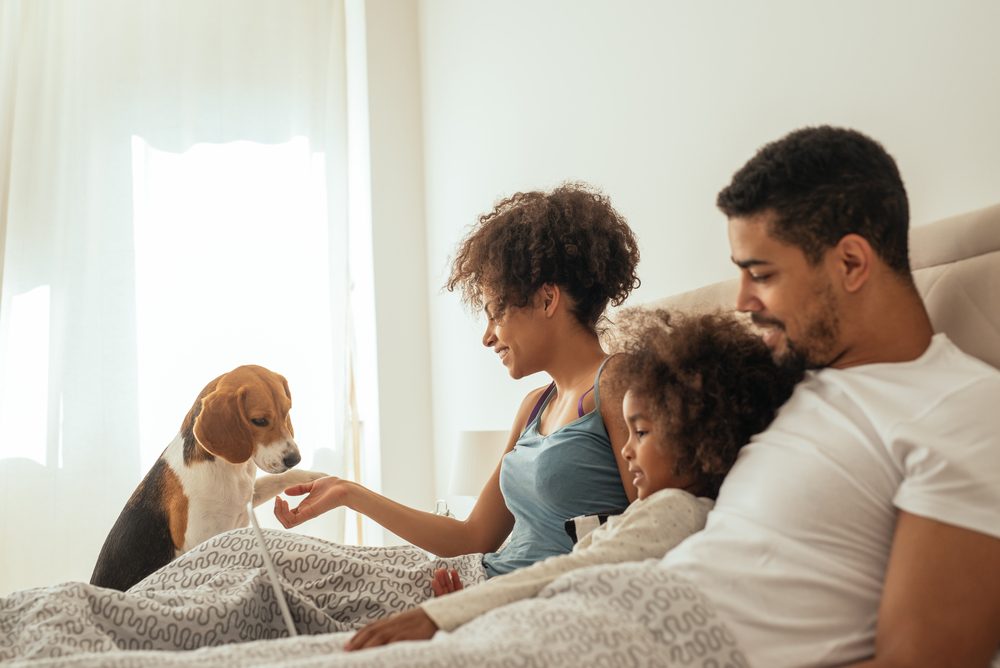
(517, 336)
(648, 453)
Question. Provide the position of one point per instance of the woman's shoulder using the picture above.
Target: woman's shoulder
(534, 396)
(609, 385)
(528, 404)
(610, 368)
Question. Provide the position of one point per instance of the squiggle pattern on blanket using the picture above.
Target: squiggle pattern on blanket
(219, 593)
(634, 614)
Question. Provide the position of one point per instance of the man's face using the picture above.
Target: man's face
(792, 302)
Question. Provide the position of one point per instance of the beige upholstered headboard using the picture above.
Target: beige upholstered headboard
(956, 265)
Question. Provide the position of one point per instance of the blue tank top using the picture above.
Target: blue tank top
(546, 480)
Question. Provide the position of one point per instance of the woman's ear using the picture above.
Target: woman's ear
(551, 295)
(221, 426)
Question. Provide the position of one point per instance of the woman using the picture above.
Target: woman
(543, 267)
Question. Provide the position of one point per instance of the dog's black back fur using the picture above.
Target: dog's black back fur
(139, 542)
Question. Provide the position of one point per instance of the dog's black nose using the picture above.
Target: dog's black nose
(291, 460)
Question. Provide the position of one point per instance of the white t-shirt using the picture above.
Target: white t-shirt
(794, 553)
(647, 529)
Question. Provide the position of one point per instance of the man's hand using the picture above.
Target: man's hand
(446, 581)
(410, 625)
(323, 495)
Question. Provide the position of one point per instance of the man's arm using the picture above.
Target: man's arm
(941, 600)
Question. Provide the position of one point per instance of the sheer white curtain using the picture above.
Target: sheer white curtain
(173, 193)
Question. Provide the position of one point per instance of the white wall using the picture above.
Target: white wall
(399, 258)
(659, 103)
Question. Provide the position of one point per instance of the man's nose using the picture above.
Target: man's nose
(746, 298)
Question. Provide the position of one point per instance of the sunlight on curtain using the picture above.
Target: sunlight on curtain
(232, 267)
(216, 216)
(25, 370)
(174, 182)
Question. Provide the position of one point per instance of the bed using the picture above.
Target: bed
(627, 614)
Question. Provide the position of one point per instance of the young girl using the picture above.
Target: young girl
(698, 389)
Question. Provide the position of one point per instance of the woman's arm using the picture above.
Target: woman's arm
(614, 421)
(487, 526)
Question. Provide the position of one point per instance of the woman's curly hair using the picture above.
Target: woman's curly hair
(710, 383)
(570, 237)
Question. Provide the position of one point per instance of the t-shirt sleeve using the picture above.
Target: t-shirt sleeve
(646, 530)
(950, 458)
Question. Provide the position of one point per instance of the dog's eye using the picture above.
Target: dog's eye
(260, 422)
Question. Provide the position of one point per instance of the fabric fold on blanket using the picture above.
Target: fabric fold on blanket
(219, 593)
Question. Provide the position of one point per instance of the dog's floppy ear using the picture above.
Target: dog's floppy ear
(187, 426)
(288, 393)
(221, 426)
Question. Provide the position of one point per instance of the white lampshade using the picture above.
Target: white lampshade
(476, 457)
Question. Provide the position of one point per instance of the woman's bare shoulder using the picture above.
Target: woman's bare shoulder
(527, 405)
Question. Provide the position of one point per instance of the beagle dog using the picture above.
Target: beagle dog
(201, 484)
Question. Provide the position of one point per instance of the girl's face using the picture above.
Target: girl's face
(518, 337)
(647, 451)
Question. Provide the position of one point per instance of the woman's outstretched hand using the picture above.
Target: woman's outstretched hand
(323, 495)
(410, 625)
(446, 581)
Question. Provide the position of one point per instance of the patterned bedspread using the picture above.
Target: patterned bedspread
(214, 606)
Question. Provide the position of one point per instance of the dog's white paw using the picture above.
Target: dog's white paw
(269, 486)
(299, 476)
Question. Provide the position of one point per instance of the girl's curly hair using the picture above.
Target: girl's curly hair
(571, 237)
(710, 383)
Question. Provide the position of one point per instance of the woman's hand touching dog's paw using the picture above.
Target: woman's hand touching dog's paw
(322, 495)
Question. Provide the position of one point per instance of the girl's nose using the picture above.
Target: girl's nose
(627, 449)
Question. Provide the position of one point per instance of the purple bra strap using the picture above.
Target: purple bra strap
(579, 406)
(538, 404)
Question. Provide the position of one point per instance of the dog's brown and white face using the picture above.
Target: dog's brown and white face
(244, 414)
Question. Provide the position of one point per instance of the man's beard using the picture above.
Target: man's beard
(820, 351)
(817, 347)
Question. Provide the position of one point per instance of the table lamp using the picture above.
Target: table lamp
(476, 457)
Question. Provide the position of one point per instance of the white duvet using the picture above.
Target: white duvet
(214, 606)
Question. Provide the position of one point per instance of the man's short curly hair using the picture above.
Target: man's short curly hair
(824, 183)
(710, 383)
(571, 237)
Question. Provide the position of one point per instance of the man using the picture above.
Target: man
(864, 524)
